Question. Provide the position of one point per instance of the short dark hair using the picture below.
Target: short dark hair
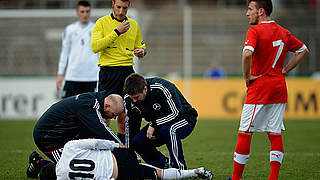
(134, 84)
(122, 0)
(48, 172)
(265, 4)
(83, 3)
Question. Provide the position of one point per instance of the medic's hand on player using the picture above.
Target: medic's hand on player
(122, 146)
(250, 79)
(150, 132)
(139, 52)
(123, 27)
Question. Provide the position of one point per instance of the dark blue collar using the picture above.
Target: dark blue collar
(114, 18)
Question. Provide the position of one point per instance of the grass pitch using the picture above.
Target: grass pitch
(211, 145)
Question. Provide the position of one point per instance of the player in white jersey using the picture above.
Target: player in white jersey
(78, 64)
(93, 159)
(89, 158)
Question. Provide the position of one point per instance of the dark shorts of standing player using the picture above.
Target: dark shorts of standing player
(111, 79)
(72, 88)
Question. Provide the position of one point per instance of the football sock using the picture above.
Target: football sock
(241, 155)
(173, 173)
(276, 155)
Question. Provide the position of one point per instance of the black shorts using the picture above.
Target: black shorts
(129, 167)
(72, 88)
(111, 79)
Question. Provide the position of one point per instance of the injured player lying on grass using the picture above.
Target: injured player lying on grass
(104, 159)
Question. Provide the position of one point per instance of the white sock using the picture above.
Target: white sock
(173, 173)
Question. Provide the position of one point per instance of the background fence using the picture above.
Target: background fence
(30, 39)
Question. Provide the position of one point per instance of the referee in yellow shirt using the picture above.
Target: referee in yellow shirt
(117, 38)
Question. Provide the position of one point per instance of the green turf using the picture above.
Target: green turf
(210, 145)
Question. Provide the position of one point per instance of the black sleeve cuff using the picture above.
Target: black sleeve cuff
(145, 52)
(116, 30)
(152, 124)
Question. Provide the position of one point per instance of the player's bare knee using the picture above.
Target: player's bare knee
(272, 133)
(247, 133)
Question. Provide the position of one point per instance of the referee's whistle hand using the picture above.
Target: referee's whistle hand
(123, 27)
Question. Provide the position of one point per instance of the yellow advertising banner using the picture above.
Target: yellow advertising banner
(224, 98)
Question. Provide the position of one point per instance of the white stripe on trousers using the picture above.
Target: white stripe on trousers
(56, 155)
(174, 145)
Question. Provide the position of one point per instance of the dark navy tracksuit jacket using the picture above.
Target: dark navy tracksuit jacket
(169, 113)
(76, 117)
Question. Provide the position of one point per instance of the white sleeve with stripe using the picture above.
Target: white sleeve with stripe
(65, 50)
(92, 144)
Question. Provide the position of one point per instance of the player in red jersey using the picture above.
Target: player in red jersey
(263, 59)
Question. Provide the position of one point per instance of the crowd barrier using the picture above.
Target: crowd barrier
(28, 98)
(224, 98)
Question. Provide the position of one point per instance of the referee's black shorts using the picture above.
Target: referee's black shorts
(111, 78)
